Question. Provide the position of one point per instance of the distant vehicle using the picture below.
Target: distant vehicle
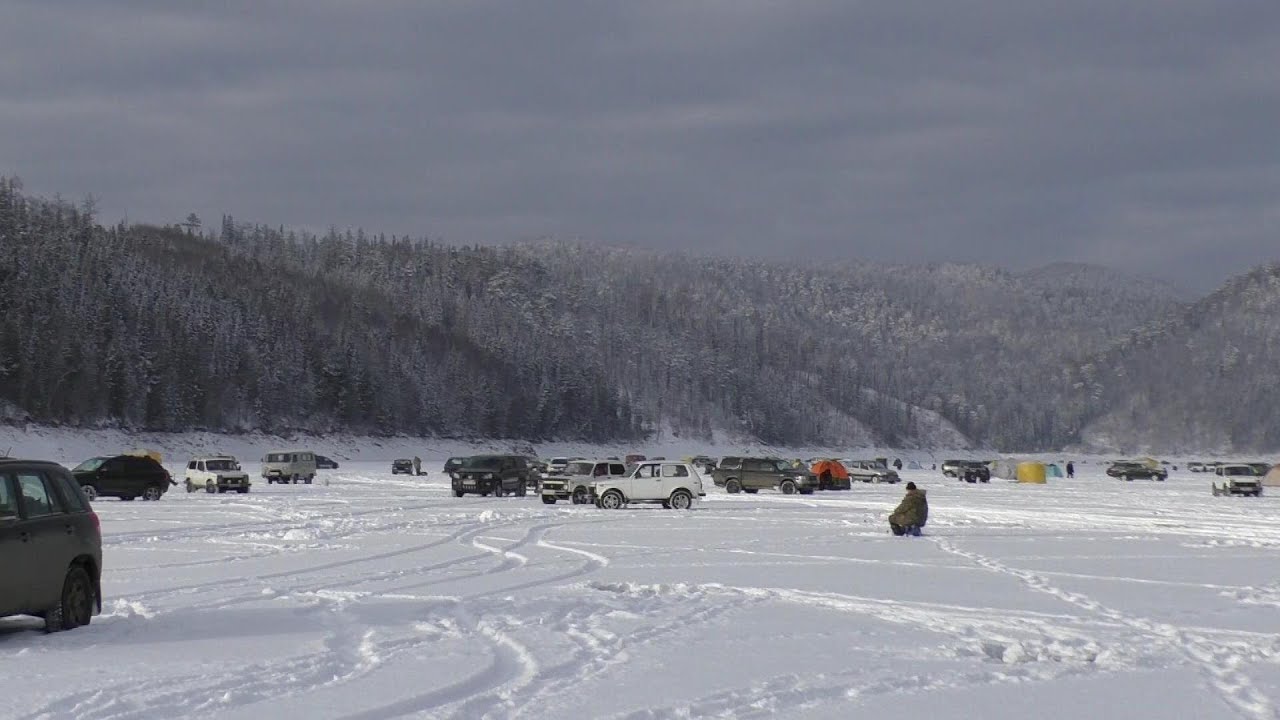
(123, 476)
(634, 458)
(324, 463)
(289, 466)
(1129, 471)
(575, 484)
(1196, 466)
(675, 485)
(868, 471)
(453, 464)
(50, 546)
(556, 465)
(750, 475)
(703, 463)
(216, 473)
(402, 465)
(956, 468)
(492, 474)
(1238, 479)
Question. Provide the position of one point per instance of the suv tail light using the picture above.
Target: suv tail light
(97, 524)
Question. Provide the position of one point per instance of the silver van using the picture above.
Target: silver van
(289, 466)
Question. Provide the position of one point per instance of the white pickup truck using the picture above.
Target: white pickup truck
(1237, 479)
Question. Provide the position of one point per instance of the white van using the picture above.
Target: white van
(289, 466)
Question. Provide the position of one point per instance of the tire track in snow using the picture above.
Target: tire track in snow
(1218, 662)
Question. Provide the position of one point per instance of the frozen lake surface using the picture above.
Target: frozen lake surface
(368, 596)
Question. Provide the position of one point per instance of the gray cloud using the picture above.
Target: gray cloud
(1140, 135)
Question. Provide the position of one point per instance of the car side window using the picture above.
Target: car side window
(617, 469)
(192, 465)
(647, 471)
(113, 465)
(8, 505)
(674, 471)
(37, 501)
(73, 498)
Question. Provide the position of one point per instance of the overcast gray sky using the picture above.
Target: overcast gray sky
(1142, 134)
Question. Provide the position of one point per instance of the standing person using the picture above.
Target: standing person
(897, 463)
(417, 465)
(912, 513)
(1071, 469)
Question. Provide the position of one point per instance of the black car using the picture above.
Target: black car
(492, 474)
(402, 466)
(1136, 471)
(324, 463)
(453, 464)
(123, 476)
(50, 546)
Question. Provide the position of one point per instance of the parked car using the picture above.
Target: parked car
(1237, 479)
(453, 464)
(50, 546)
(1195, 466)
(556, 465)
(675, 485)
(123, 476)
(492, 474)
(402, 465)
(871, 471)
(324, 463)
(1129, 471)
(289, 466)
(217, 473)
(750, 475)
(575, 484)
(956, 468)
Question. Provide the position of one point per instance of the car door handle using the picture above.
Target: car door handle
(71, 530)
(24, 536)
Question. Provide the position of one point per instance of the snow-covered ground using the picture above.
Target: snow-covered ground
(370, 596)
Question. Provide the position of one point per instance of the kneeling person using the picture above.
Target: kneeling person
(912, 513)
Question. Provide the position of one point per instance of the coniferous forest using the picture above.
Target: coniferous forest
(236, 326)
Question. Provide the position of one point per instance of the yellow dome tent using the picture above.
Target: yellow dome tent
(1031, 472)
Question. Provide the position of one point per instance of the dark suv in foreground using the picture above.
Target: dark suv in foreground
(492, 474)
(50, 546)
(123, 476)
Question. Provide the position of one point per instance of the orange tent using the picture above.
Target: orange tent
(831, 475)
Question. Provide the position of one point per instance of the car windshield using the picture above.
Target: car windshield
(278, 457)
(482, 461)
(1238, 470)
(559, 461)
(580, 468)
(220, 464)
(90, 465)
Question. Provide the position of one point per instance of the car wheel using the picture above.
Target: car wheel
(548, 499)
(294, 479)
(243, 490)
(457, 493)
(1126, 478)
(75, 606)
(211, 487)
(733, 487)
(788, 487)
(152, 493)
(90, 492)
(521, 489)
(580, 496)
(680, 500)
(190, 486)
(308, 479)
(611, 500)
(498, 490)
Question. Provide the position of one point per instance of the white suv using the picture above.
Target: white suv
(575, 482)
(1237, 480)
(216, 473)
(675, 485)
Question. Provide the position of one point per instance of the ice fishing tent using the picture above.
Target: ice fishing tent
(1052, 470)
(1272, 478)
(1004, 468)
(913, 465)
(1031, 472)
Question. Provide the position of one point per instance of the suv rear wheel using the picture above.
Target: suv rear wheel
(152, 492)
(611, 500)
(681, 500)
(75, 606)
(788, 487)
(733, 487)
